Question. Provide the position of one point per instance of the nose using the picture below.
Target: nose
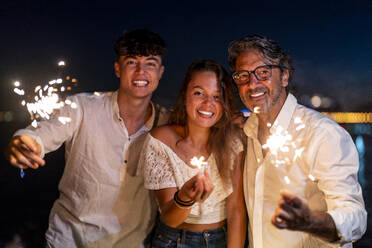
(253, 82)
(208, 99)
(140, 68)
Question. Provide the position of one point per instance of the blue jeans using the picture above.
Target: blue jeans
(166, 236)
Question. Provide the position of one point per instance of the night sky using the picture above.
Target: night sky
(330, 42)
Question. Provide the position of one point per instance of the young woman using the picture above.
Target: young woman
(198, 207)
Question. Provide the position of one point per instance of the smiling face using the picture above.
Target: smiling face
(139, 75)
(203, 103)
(266, 97)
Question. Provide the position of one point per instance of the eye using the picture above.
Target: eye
(130, 62)
(217, 97)
(152, 64)
(197, 93)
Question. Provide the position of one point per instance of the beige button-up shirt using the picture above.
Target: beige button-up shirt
(319, 163)
(102, 202)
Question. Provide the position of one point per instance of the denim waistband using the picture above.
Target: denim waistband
(178, 232)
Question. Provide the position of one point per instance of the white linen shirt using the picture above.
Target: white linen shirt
(102, 201)
(328, 155)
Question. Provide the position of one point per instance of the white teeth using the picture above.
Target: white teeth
(257, 94)
(140, 83)
(205, 113)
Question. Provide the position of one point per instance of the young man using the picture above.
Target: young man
(102, 203)
(308, 199)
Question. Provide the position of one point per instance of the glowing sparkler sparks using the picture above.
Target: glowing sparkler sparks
(312, 178)
(46, 99)
(61, 63)
(199, 162)
(283, 148)
(256, 110)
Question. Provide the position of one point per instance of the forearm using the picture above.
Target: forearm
(323, 226)
(173, 215)
(236, 228)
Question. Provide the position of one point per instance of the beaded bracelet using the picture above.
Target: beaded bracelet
(182, 204)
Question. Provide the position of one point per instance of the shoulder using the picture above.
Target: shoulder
(317, 121)
(167, 134)
(163, 114)
(91, 97)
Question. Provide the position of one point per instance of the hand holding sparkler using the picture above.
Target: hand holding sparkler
(197, 189)
(24, 152)
(293, 213)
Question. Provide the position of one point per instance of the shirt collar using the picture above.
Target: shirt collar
(114, 101)
(285, 115)
(283, 119)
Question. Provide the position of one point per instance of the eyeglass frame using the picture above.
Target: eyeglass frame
(254, 73)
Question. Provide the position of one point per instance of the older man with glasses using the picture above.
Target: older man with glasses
(300, 177)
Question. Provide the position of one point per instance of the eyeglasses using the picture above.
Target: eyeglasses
(261, 73)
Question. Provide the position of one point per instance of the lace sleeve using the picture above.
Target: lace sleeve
(157, 167)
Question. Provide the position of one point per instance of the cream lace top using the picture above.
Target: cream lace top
(162, 168)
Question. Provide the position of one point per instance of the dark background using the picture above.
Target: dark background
(330, 42)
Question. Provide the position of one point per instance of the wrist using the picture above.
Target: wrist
(182, 203)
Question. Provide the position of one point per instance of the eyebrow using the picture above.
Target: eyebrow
(149, 58)
(199, 87)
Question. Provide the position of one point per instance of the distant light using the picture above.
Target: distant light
(59, 81)
(8, 116)
(349, 117)
(316, 101)
(61, 63)
(359, 143)
(17, 83)
(326, 102)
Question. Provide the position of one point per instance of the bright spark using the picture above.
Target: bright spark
(19, 91)
(256, 110)
(64, 119)
(286, 179)
(312, 178)
(17, 84)
(198, 162)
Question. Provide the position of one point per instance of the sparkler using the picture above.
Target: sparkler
(46, 99)
(284, 149)
(199, 162)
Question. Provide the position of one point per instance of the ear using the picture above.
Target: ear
(285, 78)
(117, 69)
(161, 71)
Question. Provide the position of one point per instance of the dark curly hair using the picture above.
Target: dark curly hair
(269, 49)
(140, 42)
(224, 131)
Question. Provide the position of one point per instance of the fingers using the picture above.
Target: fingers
(21, 153)
(292, 212)
(198, 188)
(291, 198)
(30, 144)
(208, 187)
(192, 189)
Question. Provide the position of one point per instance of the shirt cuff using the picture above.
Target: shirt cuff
(343, 232)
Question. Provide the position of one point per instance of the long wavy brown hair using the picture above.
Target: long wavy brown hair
(224, 132)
